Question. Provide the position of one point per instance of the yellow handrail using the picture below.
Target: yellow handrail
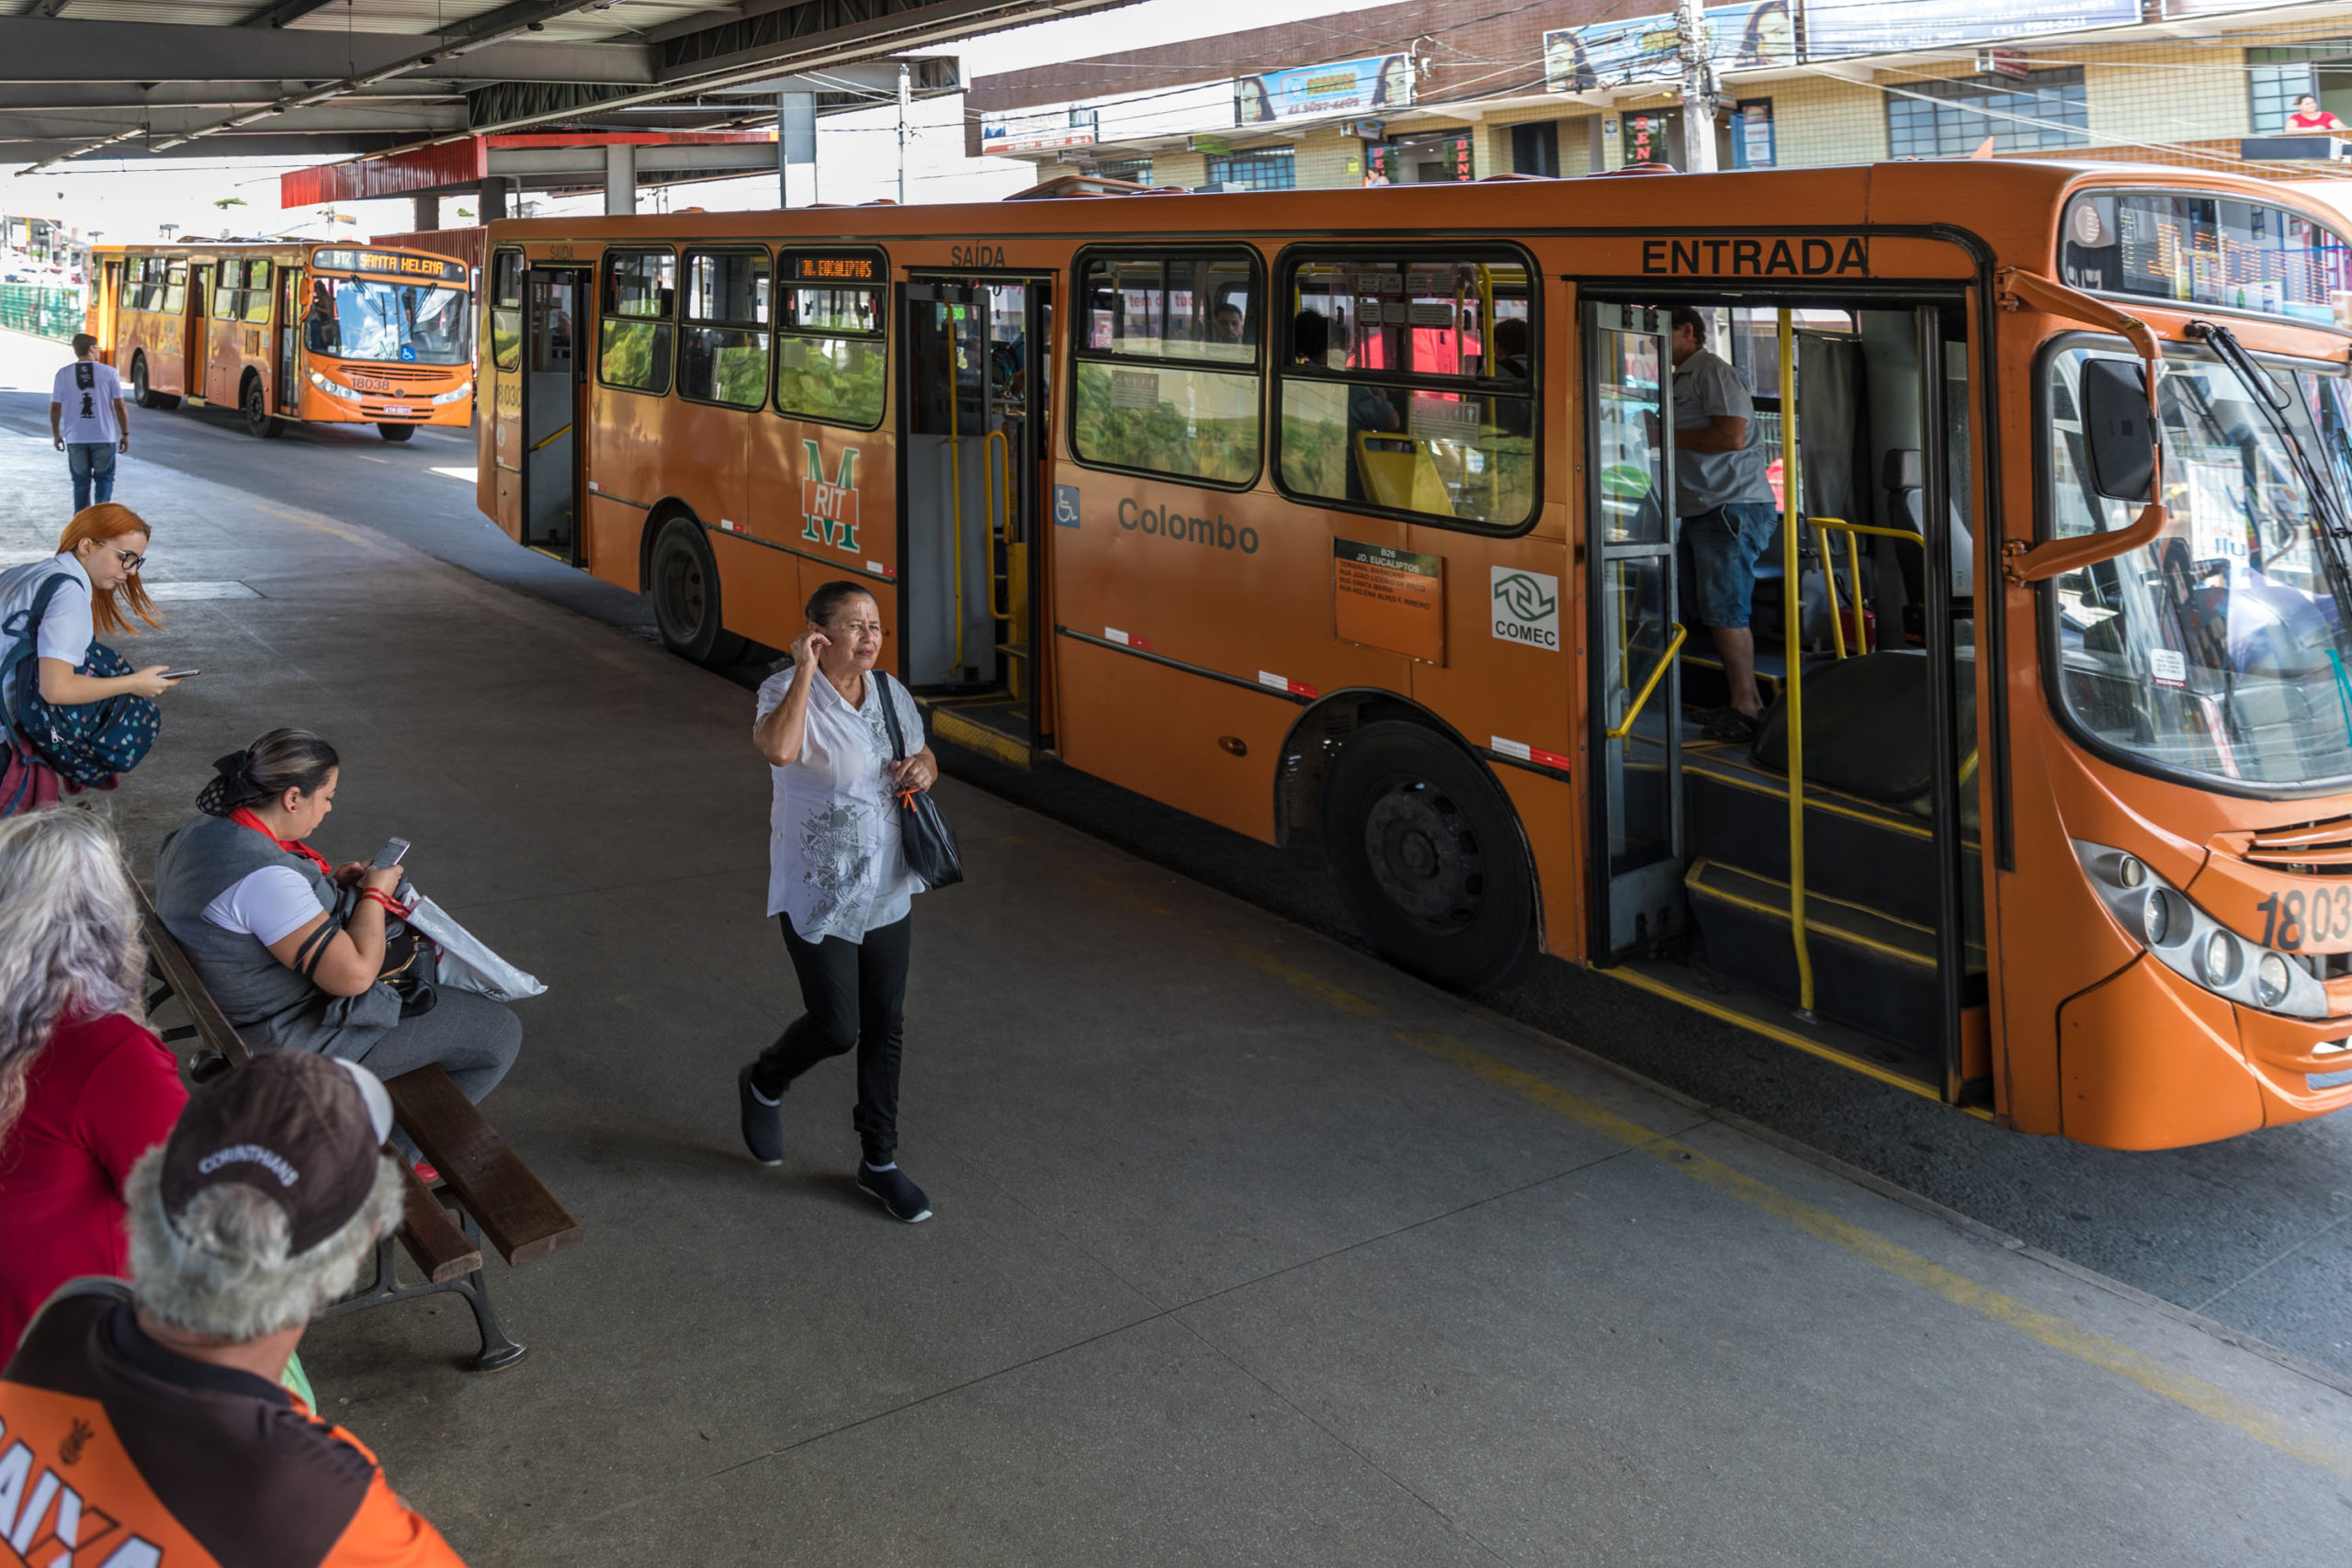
(955, 473)
(1821, 526)
(993, 441)
(1793, 725)
(1643, 698)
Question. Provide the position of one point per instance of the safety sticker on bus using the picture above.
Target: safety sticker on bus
(2168, 666)
(1285, 684)
(1523, 752)
(730, 525)
(878, 569)
(1113, 634)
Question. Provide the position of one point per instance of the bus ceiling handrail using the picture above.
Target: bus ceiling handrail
(1641, 699)
(1793, 725)
(2023, 564)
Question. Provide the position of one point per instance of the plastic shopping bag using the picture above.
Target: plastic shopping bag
(466, 963)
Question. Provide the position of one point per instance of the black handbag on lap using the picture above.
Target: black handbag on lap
(930, 843)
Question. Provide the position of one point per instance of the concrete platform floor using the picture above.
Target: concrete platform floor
(1249, 1250)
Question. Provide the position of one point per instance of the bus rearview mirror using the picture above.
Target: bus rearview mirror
(2120, 434)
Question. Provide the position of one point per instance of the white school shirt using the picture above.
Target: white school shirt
(267, 905)
(86, 415)
(66, 626)
(835, 864)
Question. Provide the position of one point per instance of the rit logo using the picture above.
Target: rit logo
(829, 512)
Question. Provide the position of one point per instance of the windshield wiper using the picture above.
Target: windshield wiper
(2331, 525)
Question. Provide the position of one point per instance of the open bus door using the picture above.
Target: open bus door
(1636, 691)
(973, 450)
(286, 356)
(196, 340)
(553, 384)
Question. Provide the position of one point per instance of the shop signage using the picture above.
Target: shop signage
(1752, 36)
(1345, 86)
(1040, 131)
(1839, 27)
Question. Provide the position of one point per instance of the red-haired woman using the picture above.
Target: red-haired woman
(71, 707)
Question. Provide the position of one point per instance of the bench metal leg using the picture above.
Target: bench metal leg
(497, 1350)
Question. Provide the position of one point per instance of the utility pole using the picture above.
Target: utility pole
(1698, 89)
(906, 92)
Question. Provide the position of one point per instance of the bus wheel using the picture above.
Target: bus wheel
(146, 396)
(684, 581)
(1427, 856)
(396, 432)
(255, 404)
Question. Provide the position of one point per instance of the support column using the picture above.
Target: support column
(428, 212)
(620, 179)
(795, 147)
(493, 193)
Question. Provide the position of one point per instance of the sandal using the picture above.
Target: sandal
(1733, 727)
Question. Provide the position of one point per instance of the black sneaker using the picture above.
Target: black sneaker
(763, 1122)
(894, 1192)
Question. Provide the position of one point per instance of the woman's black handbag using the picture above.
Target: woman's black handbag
(930, 843)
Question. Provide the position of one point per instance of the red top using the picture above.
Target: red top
(101, 1093)
(2323, 120)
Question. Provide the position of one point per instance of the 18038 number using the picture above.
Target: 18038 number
(2291, 922)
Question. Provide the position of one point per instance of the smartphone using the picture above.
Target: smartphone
(180, 674)
(390, 855)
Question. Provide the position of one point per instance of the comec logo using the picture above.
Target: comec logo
(1526, 607)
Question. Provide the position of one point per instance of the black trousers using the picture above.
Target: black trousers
(855, 994)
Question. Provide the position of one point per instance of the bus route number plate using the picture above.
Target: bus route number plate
(1389, 598)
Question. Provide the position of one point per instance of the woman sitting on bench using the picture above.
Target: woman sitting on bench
(294, 950)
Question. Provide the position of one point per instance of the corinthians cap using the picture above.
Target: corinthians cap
(302, 1130)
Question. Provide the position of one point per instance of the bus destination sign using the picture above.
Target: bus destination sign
(838, 269)
(391, 262)
(1845, 256)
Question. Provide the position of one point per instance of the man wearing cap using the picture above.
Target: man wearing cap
(88, 422)
(142, 1426)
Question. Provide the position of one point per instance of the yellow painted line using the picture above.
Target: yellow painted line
(978, 737)
(1773, 1031)
(2059, 1334)
(2047, 1328)
(322, 527)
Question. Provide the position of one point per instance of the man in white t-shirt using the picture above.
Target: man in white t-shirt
(88, 422)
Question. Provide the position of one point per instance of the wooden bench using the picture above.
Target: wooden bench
(488, 1191)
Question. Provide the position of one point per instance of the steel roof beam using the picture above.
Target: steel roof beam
(285, 11)
(35, 49)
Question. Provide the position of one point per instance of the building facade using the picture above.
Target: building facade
(1456, 90)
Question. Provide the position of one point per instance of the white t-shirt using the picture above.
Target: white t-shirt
(835, 864)
(86, 414)
(66, 627)
(267, 905)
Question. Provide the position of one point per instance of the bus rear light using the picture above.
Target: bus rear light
(2194, 945)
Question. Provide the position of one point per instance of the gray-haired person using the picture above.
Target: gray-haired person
(153, 1427)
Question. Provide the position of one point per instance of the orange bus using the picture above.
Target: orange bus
(316, 333)
(1347, 516)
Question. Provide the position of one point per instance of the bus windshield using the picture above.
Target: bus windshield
(361, 318)
(2224, 648)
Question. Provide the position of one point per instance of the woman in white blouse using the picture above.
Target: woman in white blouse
(838, 879)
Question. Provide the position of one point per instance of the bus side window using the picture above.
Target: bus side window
(174, 296)
(506, 308)
(723, 347)
(633, 337)
(1408, 385)
(257, 295)
(831, 358)
(1166, 362)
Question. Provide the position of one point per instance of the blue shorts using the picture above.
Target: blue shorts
(1718, 551)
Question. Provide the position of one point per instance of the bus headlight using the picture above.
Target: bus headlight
(2192, 944)
(443, 399)
(334, 388)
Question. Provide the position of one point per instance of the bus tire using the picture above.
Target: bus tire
(255, 404)
(396, 432)
(146, 396)
(1428, 857)
(683, 580)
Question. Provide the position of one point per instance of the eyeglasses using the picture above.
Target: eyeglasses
(131, 560)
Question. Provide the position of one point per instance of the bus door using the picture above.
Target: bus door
(553, 391)
(1634, 695)
(290, 297)
(195, 350)
(974, 421)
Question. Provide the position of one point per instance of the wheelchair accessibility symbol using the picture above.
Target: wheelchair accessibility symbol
(1065, 506)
